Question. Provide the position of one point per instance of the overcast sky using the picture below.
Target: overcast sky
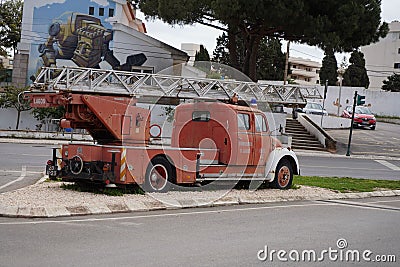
(199, 34)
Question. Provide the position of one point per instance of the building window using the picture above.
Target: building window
(397, 65)
(398, 51)
(317, 82)
(101, 11)
(91, 10)
(294, 66)
(11, 62)
(111, 12)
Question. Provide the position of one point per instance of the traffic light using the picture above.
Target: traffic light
(360, 100)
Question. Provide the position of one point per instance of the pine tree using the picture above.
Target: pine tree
(356, 74)
(341, 25)
(329, 68)
(202, 54)
(392, 84)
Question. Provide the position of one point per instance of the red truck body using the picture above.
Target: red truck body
(210, 141)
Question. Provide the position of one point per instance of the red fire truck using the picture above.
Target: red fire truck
(211, 140)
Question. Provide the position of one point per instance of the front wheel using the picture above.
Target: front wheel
(283, 175)
(158, 175)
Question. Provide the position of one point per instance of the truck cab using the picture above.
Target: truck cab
(239, 134)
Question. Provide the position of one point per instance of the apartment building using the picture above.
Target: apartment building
(304, 71)
(382, 59)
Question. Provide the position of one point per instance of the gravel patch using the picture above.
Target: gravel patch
(50, 194)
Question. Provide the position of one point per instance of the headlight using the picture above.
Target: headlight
(355, 117)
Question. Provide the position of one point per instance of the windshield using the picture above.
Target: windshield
(363, 110)
(313, 106)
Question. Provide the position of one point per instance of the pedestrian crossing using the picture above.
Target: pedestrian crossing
(388, 164)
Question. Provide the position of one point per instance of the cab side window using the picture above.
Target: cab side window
(261, 125)
(243, 121)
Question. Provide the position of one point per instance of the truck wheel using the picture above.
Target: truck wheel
(158, 175)
(283, 175)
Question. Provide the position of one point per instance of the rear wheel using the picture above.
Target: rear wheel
(283, 175)
(158, 175)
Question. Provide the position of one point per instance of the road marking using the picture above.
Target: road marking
(21, 177)
(388, 164)
(27, 172)
(364, 205)
(170, 214)
(383, 201)
(341, 168)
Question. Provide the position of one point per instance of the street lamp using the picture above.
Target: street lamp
(340, 72)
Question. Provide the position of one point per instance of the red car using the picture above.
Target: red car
(363, 117)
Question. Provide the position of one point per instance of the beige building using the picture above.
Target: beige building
(6, 70)
(382, 59)
(304, 71)
(191, 50)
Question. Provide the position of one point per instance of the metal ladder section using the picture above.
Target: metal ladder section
(85, 80)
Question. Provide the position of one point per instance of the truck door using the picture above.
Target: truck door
(262, 140)
(245, 155)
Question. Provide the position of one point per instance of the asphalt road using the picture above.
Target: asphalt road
(220, 236)
(22, 164)
(384, 141)
(349, 167)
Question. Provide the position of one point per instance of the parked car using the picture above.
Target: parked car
(363, 117)
(313, 108)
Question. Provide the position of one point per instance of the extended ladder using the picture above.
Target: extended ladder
(100, 81)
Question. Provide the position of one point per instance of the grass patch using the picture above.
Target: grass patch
(346, 185)
(386, 117)
(134, 190)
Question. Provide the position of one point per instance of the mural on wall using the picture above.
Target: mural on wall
(76, 34)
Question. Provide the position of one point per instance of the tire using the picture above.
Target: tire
(158, 175)
(283, 175)
(373, 127)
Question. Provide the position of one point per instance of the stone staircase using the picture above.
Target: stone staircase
(301, 138)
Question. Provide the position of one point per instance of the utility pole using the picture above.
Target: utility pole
(351, 123)
(285, 75)
(323, 103)
(341, 72)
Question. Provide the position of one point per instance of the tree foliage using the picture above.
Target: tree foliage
(42, 114)
(10, 25)
(270, 62)
(12, 98)
(392, 84)
(329, 69)
(338, 25)
(356, 74)
(202, 54)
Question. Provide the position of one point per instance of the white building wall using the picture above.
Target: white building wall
(380, 102)
(381, 57)
(8, 120)
(133, 42)
(191, 50)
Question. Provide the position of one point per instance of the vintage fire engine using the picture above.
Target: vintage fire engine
(213, 138)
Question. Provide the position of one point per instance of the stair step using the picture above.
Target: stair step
(309, 148)
(301, 138)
